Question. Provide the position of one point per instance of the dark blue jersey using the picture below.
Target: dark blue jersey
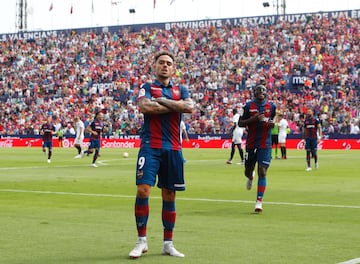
(162, 131)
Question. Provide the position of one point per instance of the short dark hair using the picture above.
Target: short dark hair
(164, 52)
(96, 114)
(260, 86)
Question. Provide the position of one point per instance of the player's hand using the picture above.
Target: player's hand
(271, 123)
(260, 116)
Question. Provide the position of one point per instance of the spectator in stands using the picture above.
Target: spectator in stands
(72, 74)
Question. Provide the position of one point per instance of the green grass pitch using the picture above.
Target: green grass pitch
(69, 212)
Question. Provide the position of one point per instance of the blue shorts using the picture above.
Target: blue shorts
(311, 143)
(261, 156)
(168, 165)
(47, 144)
(94, 144)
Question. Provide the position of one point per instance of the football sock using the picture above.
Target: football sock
(241, 154)
(261, 188)
(308, 158)
(232, 151)
(141, 215)
(283, 151)
(78, 149)
(168, 219)
(314, 153)
(96, 155)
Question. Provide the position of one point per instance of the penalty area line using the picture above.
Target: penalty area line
(179, 198)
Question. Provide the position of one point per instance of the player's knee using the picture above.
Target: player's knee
(143, 190)
(262, 172)
(168, 195)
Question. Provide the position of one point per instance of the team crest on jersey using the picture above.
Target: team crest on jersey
(142, 92)
(176, 92)
(139, 174)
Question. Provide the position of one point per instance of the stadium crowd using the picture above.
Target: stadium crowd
(77, 74)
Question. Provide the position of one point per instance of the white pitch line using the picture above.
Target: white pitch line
(179, 198)
(68, 193)
(52, 165)
(351, 261)
(42, 167)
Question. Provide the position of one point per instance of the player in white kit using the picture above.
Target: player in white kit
(79, 138)
(283, 127)
(237, 134)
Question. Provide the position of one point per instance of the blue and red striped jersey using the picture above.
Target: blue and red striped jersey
(47, 131)
(98, 127)
(259, 133)
(162, 131)
(310, 127)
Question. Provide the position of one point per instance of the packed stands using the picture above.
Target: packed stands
(74, 74)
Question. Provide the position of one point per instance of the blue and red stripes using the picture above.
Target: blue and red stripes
(141, 215)
(168, 219)
(261, 188)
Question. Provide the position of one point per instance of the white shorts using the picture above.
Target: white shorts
(237, 135)
(79, 141)
(282, 137)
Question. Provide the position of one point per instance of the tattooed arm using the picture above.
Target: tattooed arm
(151, 107)
(181, 106)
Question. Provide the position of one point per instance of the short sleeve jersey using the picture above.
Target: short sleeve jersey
(98, 127)
(47, 130)
(310, 128)
(275, 130)
(259, 133)
(236, 119)
(162, 131)
(238, 131)
(283, 125)
(80, 128)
